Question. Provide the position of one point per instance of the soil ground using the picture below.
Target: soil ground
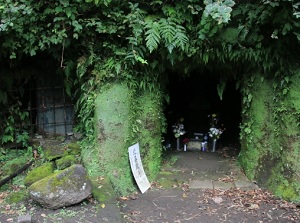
(193, 187)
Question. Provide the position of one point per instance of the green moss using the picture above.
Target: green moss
(17, 197)
(149, 115)
(74, 148)
(39, 173)
(270, 151)
(248, 159)
(53, 152)
(172, 179)
(56, 180)
(15, 164)
(287, 192)
(166, 183)
(294, 93)
(102, 189)
(65, 162)
(169, 160)
(110, 157)
(91, 163)
(165, 173)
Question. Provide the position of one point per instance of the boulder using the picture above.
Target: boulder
(63, 188)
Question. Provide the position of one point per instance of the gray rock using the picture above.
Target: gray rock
(24, 218)
(63, 188)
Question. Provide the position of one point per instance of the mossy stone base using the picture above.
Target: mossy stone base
(102, 189)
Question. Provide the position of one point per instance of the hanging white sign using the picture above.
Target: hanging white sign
(137, 168)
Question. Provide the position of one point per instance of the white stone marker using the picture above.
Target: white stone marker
(137, 168)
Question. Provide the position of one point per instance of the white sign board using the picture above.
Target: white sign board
(137, 168)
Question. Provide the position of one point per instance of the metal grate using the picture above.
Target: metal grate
(50, 110)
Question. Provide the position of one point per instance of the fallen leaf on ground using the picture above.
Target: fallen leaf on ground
(123, 198)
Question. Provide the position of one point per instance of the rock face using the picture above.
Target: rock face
(63, 188)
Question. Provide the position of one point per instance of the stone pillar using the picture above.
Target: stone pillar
(112, 129)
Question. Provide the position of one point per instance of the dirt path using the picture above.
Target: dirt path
(214, 196)
(198, 187)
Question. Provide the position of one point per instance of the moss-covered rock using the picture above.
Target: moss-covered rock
(62, 188)
(74, 148)
(55, 151)
(17, 197)
(65, 162)
(39, 173)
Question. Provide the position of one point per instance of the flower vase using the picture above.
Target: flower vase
(178, 145)
(184, 147)
(214, 145)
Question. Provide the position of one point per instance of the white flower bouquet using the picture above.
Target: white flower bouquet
(178, 130)
(215, 133)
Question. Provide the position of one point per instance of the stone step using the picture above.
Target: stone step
(209, 184)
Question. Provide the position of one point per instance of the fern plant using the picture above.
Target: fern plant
(167, 30)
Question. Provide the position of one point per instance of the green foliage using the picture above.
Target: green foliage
(15, 125)
(16, 161)
(219, 10)
(168, 30)
(108, 41)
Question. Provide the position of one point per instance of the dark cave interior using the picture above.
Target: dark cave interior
(194, 98)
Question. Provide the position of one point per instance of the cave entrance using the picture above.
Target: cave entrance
(196, 97)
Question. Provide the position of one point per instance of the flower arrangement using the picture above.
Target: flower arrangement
(178, 130)
(185, 140)
(215, 133)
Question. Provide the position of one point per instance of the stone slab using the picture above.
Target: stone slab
(245, 185)
(194, 145)
(223, 185)
(24, 218)
(200, 184)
